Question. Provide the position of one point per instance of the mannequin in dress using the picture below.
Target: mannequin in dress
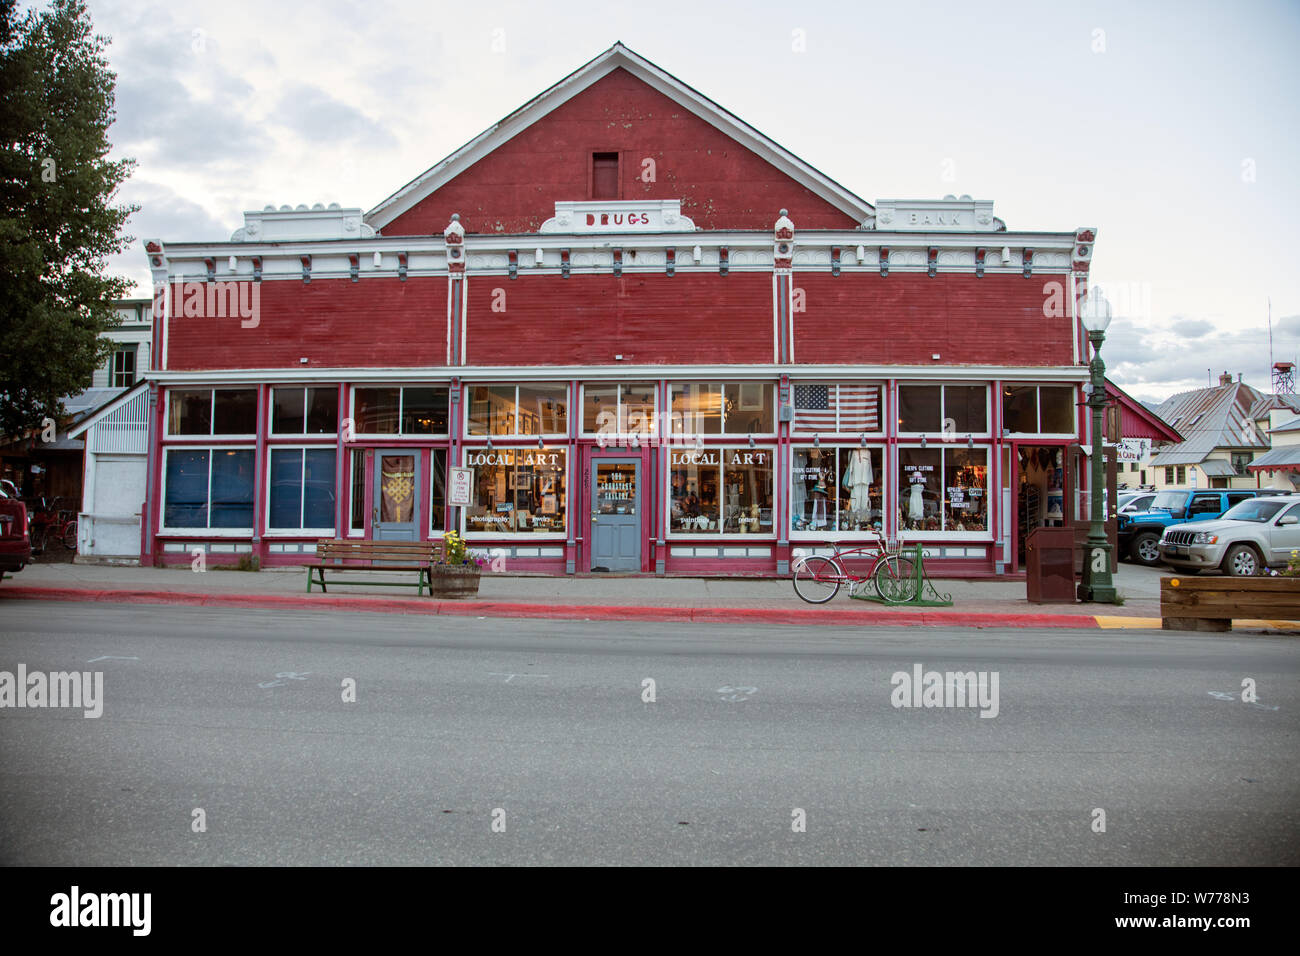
(819, 492)
(915, 502)
(799, 490)
(859, 478)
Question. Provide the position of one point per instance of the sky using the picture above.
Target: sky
(1172, 128)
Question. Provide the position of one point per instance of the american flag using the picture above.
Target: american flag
(836, 408)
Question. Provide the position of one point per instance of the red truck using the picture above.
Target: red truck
(15, 545)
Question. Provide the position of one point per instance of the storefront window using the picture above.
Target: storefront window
(830, 408)
(1041, 410)
(302, 489)
(517, 490)
(518, 410)
(721, 491)
(412, 410)
(208, 488)
(931, 409)
(438, 504)
(207, 411)
(965, 485)
(305, 411)
(357, 521)
(836, 489)
(618, 409)
(943, 489)
(735, 408)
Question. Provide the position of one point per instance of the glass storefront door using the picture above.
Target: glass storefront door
(396, 496)
(616, 514)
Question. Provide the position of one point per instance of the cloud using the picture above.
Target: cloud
(1191, 328)
(320, 118)
(163, 214)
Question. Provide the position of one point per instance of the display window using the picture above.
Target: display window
(618, 409)
(300, 492)
(540, 409)
(831, 408)
(357, 502)
(943, 489)
(836, 489)
(400, 410)
(517, 490)
(193, 412)
(209, 489)
(720, 491)
(310, 410)
(732, 408)
(958, 410)
(438, 492)
(1039, 410)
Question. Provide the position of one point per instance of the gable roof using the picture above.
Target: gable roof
(94, 416)
(1137, 420)
(1210, 419)
(616, 57)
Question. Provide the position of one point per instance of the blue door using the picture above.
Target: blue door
(616, 514)
(397, 509)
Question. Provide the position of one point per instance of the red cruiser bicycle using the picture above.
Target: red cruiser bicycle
(892, 575)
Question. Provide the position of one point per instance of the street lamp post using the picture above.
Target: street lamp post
(1097, 585)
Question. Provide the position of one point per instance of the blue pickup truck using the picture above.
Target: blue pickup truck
(1139, 534)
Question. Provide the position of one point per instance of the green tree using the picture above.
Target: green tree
(58, 219)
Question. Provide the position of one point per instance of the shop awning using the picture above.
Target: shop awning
(1217, 468)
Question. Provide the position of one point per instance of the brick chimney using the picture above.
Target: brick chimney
(1225, 378)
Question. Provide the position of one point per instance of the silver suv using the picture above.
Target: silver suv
(1252, 535)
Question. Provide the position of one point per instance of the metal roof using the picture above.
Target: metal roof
(1279, 459)
(1218, 468)
(1211, 419)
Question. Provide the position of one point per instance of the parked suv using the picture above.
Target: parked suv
(15, 546)
(1139, 534)
(1249, 537)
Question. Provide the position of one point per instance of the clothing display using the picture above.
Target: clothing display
(915, 503)
(859, 476)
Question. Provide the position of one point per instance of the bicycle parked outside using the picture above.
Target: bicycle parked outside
(819, 577)
(49, 521)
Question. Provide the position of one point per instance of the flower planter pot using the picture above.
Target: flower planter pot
(454, 581)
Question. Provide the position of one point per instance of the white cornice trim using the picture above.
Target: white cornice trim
(1054, 373)
(585, 76)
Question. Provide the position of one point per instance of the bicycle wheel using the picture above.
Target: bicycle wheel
(817, 579)
(70, 536)
(895, 579)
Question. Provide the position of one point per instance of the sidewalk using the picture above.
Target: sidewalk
(594, 597)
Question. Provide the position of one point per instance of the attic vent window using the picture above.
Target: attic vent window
(604, 175)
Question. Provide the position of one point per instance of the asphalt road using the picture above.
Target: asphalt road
(545, 720)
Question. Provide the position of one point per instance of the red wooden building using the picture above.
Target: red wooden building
(660, 342)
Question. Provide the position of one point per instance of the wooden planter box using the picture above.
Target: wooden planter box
(454, 581)
(1196, 603)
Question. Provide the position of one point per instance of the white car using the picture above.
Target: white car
(1255, 534)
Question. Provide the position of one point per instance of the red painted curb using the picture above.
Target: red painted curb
(796, 615)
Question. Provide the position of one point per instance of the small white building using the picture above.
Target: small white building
(116, 444)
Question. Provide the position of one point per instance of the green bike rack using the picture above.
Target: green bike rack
(924, 593)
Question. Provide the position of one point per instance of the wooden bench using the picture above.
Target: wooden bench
(1195, 603)
(355, 554)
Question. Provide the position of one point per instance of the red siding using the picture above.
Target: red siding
(648, 319)
(333, 322)
(722, 185)
(903, 319)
